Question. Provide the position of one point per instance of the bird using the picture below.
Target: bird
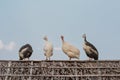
(70, 50)
(90, 49)
(48, 48)
(25, 52)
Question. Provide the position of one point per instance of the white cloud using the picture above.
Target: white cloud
(9, 46)
(1, 45)
(57, 49)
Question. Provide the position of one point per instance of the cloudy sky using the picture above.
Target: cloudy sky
(28, 21)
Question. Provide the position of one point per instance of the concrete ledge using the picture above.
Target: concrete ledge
(60, 70)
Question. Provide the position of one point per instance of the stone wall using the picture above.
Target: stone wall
(60, 70)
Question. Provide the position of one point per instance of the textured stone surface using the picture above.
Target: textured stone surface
(60, 70)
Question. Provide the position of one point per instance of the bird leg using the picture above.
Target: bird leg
(78, 58)
(49, 58)
(26, 59)
(46, 59)
(70, 58)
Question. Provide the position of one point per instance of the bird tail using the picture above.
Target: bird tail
(96, 58)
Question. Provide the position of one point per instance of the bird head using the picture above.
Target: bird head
(84, 36)
(45, 38)
(62, 37)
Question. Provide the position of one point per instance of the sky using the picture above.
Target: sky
(28, 21)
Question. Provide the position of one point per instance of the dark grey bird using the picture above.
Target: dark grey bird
(90, 49)
(25, 52)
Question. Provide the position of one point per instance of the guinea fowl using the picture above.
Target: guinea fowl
(48, 48)
(25, 52)
(90, 49)
(70, 50)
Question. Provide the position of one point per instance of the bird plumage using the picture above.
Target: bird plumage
(48, 48)
(25, 52)
(70, 50)
(90, 49)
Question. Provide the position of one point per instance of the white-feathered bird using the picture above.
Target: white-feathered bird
(25, 52)
(70, 50)
(48, 48)
(90, 49)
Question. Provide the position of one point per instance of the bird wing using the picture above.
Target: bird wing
(48, 47)
(22, 48)
(92, 46)
(23, 52)
(26, 46)
(71, 48)
(93, 51)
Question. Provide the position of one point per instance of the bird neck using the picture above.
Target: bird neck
(46, 40)
(85, 39)
(63, 40)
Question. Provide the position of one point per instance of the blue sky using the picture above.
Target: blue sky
(28, 21)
